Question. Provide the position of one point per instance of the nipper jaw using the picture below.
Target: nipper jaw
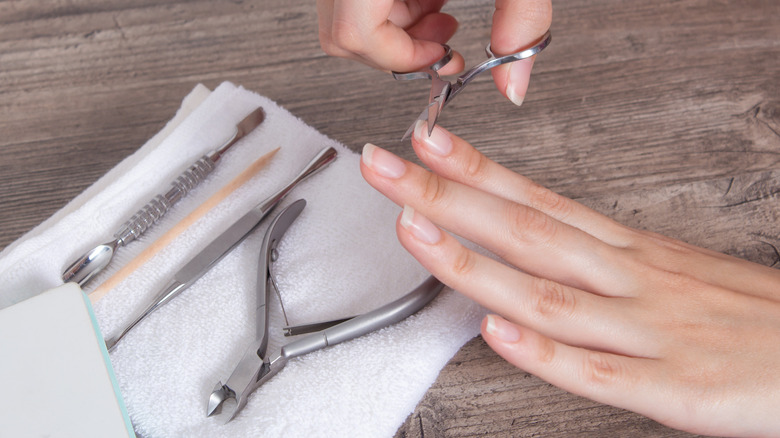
(244, 379)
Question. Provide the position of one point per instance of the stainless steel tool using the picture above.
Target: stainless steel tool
(442, 92)
(256, 367)
(85, 267)
(223, 244)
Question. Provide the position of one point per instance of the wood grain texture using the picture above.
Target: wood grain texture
(664, 116)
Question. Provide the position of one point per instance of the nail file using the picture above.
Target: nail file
(55, 371)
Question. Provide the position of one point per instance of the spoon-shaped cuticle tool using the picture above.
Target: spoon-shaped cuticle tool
(209, 256)
(96, 259)
(83, 269)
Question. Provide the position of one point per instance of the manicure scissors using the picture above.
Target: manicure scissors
(257, 366)
(442, 91)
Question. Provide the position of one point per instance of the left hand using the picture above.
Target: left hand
(683, 335)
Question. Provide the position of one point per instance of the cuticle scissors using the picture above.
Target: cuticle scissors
(442, 91)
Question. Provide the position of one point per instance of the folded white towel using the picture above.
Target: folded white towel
(340, 258)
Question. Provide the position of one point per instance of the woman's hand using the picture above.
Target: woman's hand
(407, 35)
(683, 335)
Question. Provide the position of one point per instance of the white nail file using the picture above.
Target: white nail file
(55, 373)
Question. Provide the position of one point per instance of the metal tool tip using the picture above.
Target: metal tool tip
(251, 121)
(410, 130)
(232, 415)
(88, 265)
(217, 397)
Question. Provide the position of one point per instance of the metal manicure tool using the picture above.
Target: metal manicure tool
(257, 366)
(442, 92)
(89, 264)
(224, 243)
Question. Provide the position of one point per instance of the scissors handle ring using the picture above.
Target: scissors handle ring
(494, 61)
(428, 71)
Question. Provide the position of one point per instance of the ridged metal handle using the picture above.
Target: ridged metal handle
(160, 204)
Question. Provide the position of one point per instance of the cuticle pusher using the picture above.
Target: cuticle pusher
(95, 260)
(223, 244)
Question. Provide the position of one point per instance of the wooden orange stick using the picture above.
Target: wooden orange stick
(179, 228)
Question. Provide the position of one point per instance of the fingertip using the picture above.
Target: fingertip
(366, 157)
(420, 227)
(382, 162)
(455, 66)
(438, 143)
(512, 79)
(500, 330)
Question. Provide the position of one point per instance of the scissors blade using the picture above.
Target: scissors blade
(431, 112)
(423, 116)
(435, 108)
(439, 91)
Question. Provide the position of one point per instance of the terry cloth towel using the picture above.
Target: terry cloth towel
(340, 258)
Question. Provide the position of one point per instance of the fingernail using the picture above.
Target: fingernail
(502, 329)
(438, 142)
(420, 227)
(383, 162)
(519, 74)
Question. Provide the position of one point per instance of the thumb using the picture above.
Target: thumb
(517, 24)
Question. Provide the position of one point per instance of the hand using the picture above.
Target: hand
(683, 335)
(407, 35)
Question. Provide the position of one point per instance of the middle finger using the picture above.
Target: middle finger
(521, 235)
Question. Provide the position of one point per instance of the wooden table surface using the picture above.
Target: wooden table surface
(663, 115)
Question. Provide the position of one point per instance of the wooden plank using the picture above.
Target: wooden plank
(736, 216)
(664, 116)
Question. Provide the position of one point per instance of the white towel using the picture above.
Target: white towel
(340, 258)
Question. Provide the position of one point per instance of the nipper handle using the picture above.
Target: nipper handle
(376, 319)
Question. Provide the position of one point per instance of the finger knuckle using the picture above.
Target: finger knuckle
(346, 36)
(537, 15)
(463, 263)
(548, 201)
(476, 167)
(529, 225)
(545, 350)
(552, 299)
(434, 190)
(600, 369)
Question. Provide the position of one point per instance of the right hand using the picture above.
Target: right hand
(394, 35)
(387, 34)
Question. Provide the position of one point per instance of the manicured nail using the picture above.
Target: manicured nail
(421, 228)
(519, 74)
(438, 142)
(383, 162)
(502, 329)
